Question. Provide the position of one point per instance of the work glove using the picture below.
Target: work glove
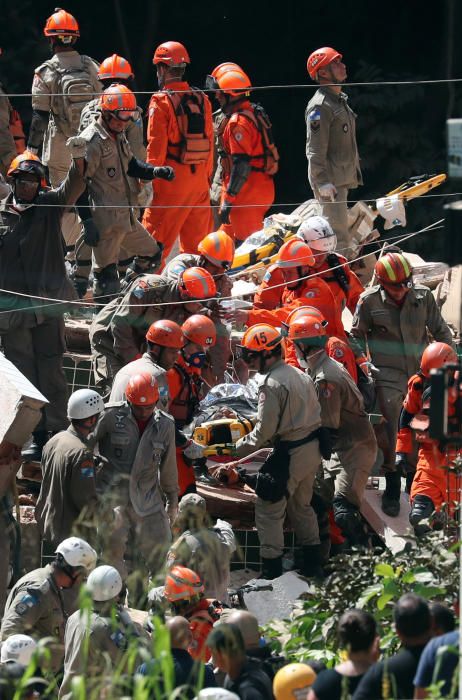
(90, 233)
(163, 172)
(327, 192)
(224, 212)
(193, 451)
(77, 146)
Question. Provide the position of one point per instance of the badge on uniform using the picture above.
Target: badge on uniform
(267, 277)
(140, 289)
(345, 128)
(325, 390)
(338, 353)
(26, 602)
(111, 172)
(87, 469)
(311, 295)
(315, 119)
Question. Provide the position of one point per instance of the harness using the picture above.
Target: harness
(194, 145)
(182, 408)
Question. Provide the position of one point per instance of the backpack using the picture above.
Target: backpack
(194, 146)
(270, 153)
(76, 87)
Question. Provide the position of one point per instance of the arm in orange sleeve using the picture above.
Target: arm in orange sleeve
(354, 292)
(209, 133)
(267, 295)
(174, 383)
(157, 134)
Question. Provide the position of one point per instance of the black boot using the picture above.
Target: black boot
(311, 567)
(33, 453)
(391, 495)
(271, 568)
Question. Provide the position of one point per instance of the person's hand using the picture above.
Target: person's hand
(224, 212)
(237, 316)
(327, 192)
(194, 450)
(164, 172)
(172, 512)
(77, 146)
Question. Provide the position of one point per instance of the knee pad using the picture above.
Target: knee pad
(106, 281)
(421, 509)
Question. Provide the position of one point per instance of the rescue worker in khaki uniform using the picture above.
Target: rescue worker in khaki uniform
(331, 150)
(248, 155)
(216, 253)
(288, 419)
(68, 488)
(95, 636)
(392, 321)
(138, 442)
(60, 89)
(113, 69)
(36, 606)
(32, 263)
(118, 331)
(342, 412)
(109, 164)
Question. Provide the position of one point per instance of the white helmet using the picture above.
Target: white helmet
(318, 233)
(104, 583)
(216, 694)
(77, 553)
(84, 403)
(18, 648)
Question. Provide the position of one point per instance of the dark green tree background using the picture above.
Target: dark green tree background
(401, 129)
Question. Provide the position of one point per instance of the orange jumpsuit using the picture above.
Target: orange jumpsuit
(201, 621)
(432, 479)
(183, 203)
(184, 387)
(412, 405)
(241, 136)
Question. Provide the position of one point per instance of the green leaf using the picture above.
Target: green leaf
(385, 570)
(383, 600)
(368, 594)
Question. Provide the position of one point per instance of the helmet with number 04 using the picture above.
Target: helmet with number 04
(115, 68)
(171, 53)
(18, 648)
(217, 248)
(200, 329)
(261, 337)
(142, 390)
(435, 356)
(293, 681)
(166, 333)
(61, 23)
(320, 58)
(308, 330)
(393, 269)
(317, 232)
(295, 253)
(197, 283)
(182, 584)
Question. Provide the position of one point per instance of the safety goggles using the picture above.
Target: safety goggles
(124, 116)
(243, 353)
(407, 284)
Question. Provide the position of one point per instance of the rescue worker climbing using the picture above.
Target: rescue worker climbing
(248, 156)
(331, 150)
(354, 447)
(180, 135)
(61, 87)
(288, 419)
(118, 332)
(393, 319)
(109, 163)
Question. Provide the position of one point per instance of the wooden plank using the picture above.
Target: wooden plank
(393, 531)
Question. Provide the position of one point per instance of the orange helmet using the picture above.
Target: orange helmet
(302, 312)
(295, 253)
(182, 583)
(435, 356)
(61, 23)
(200, 329)
(393, 269)
(166, 333)
(172, 53)
(142, 389)
(119, 98)
(232, 81)
(115, 68)
(28, 162)
(218, 248)
(320, 58)
(222, 68)
(197, 283)
(308, 330)
(261, 337)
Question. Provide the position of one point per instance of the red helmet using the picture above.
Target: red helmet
(61, 23)
(233, 81)
(308, 330)
(142, 389)
(218, 248)
(200, 329)
(119, 98)
(182, 584)
(28, 162)
(197, 283)
(320, 58)
(172, 53)
(115, 68)
(435, 356)
(166, 333)
(299, 313)
(393, 269)
(295, 253)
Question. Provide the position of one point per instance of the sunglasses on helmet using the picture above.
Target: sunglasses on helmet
(124, 116)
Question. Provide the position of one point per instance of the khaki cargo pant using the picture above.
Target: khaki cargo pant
(118, 242)
(337, 215)
(106, 364)
(389, 400)
(269, 517)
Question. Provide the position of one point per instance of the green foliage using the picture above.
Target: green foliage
(374, 581)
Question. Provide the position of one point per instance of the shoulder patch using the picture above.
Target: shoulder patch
(87, 468)
(27, 601)
(314, 119)
(140, 289)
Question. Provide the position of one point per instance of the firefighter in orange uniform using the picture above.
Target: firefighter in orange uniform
(180, 134)
(185, 384)
(248, 155)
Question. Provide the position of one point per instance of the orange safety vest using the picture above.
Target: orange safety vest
(182, 407)
(189, 109)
